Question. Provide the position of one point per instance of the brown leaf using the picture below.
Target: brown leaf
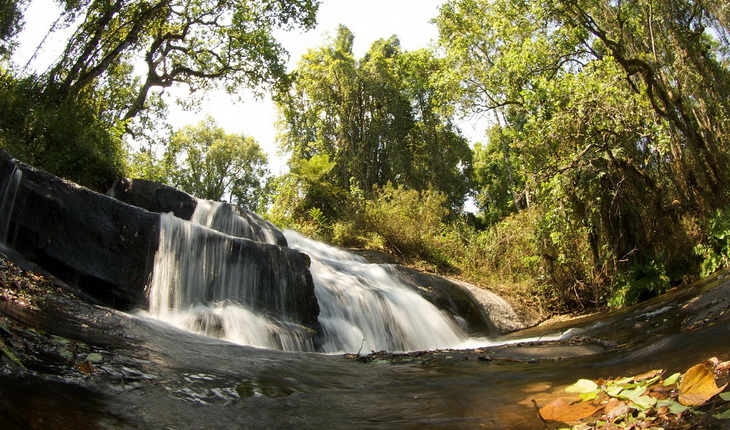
(698, 386)
(560, 410)
(86, 367)
(648, 375)
(616, 408)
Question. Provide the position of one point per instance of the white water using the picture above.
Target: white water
(231, 220)
(7, 204)
(199, 285)
(366, 307)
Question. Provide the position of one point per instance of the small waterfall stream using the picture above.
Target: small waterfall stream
(366, 307)
(7, 204)
(197, 286)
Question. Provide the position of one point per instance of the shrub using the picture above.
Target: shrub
(714, 250)
(63, 138)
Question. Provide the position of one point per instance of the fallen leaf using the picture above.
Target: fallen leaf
(616, 408)
(648, 375)
(560, 410)
(591, 395)
(723, 415)
(698, 386)
(86, 367)
(672, 379)
(582, 386)
(672, 406)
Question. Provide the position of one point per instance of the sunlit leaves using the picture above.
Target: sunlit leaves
(638, 400)
(188, 42)
(582, 386)
(211, 164)
(698, 386)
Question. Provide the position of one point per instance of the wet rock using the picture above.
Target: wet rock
(154, 197)
(227, 218)
(94, 241)
(483, 312)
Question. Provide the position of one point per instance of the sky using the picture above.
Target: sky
(369, 20)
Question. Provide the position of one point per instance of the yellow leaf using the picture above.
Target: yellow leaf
(698, 386)
(559, 410)
(582, 386)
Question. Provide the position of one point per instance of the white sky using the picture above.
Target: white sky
(369, 20)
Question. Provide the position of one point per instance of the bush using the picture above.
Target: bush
(643, 281)
(63, 138)
(714, 250)
(409, 222)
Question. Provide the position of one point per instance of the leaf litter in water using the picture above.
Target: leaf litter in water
(641, 401)
(698, 386)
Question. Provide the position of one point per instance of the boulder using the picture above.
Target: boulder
(103, 246)
(154, 197)
(107, 247)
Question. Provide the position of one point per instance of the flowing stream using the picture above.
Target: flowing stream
(197, 286)
(7, 203)
(366, 307)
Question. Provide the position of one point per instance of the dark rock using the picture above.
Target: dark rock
(103, 246)
(106, 247)
(154, 197)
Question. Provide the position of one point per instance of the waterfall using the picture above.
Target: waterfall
(367, 307)
(202, 283)
(7, 204)
(233, 221)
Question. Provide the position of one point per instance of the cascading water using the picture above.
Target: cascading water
(365, 306)
(200, 284)
(7, 204)
(231, 220)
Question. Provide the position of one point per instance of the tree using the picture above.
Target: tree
(194, 43)
(213, 165)
(671, 52)
(605, 118)
(376, 119)
(11, 22)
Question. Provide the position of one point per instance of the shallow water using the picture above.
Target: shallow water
(156, 376)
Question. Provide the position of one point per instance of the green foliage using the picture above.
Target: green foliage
(66, 139)
(409, 222)
(715, 248)
(207, 162)
(199, 44)
(11, 23)
(304, 191)
(378, 119)
(641, 282)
